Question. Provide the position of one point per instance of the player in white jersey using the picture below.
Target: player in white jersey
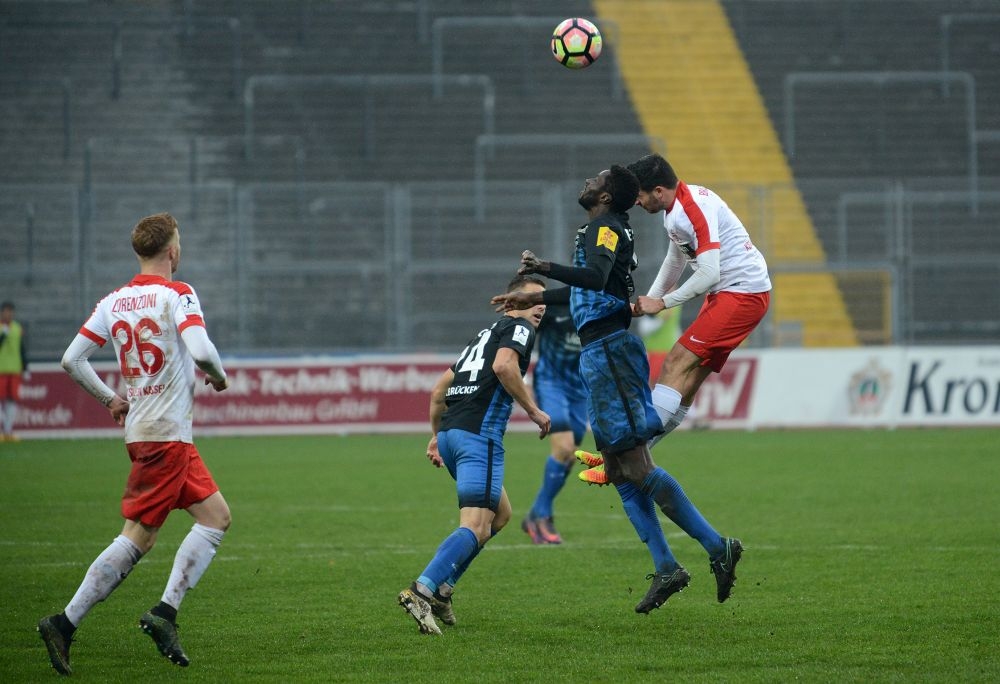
(159, 337)
(705, 233)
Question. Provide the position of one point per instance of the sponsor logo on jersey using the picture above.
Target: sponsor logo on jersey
(521, 335)
(461, 389)
(137, 392)
(607, 238)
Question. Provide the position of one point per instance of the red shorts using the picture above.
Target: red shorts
(725, 320)
(10, 386)
(165, 476)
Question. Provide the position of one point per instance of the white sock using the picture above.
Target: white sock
(192, 559)
(667, 402)
(106, 573)
(677, 419)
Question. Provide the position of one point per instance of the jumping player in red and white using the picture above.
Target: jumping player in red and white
(159, 337)
(705, 233)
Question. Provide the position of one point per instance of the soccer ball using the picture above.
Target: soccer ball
(576, 43)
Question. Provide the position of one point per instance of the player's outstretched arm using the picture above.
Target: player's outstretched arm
(520, 299)
(701, 281)
(593, 276)
(205, 356)
(669, 273)
(76, 362)
(508, 371)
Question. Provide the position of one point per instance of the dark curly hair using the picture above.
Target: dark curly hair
(624, 188)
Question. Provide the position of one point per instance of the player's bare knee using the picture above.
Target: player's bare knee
(635, 465)
(225, 518)
(483, 532)
(563, 445)
(499, 522)
(612, 469)
(143, 536)
(219, 519)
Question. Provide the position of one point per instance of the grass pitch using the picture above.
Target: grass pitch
(870, 556)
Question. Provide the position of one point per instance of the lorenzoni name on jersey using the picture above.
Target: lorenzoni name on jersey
(461, 389)
(138, 392)
(143, 301)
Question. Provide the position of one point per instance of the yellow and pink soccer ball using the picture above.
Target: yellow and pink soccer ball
(576, 43)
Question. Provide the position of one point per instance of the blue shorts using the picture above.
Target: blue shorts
(566, 403)
(615, 370)
(476, 464)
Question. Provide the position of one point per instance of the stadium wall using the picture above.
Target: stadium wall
(881, 387)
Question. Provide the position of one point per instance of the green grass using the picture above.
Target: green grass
(871, 556)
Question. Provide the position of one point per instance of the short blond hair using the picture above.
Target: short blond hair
(152, 234)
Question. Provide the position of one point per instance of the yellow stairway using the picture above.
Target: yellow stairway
(691, 86)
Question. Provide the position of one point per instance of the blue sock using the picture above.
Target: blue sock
(642, 513)
(456, 551)
(667, 492)
(457, 573)
(555, 476)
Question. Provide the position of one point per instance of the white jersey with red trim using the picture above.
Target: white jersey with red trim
(700, 220)
(145, 319)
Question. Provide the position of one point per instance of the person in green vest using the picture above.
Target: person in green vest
(659, 332)
(13, 365)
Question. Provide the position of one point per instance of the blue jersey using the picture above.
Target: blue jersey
(558, 386)
(558, 346)
(476, 401)
(609, 236)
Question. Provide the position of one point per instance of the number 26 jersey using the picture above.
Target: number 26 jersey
(476, 401)
(145, 319)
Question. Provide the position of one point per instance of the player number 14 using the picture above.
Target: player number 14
(471, 361)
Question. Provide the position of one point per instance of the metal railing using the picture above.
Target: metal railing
(117, 27)
(880, 79)
(190, 26)
(382, 243)
(65, 87)
(367, 83)
(881, 280)
(949, 20)
(486, 144)
(194, 151)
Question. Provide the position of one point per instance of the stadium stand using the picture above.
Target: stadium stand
(897, 139)
(355, 182)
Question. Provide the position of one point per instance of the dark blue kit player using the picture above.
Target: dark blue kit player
(560, 391)
(469, 409)
(615, 369)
